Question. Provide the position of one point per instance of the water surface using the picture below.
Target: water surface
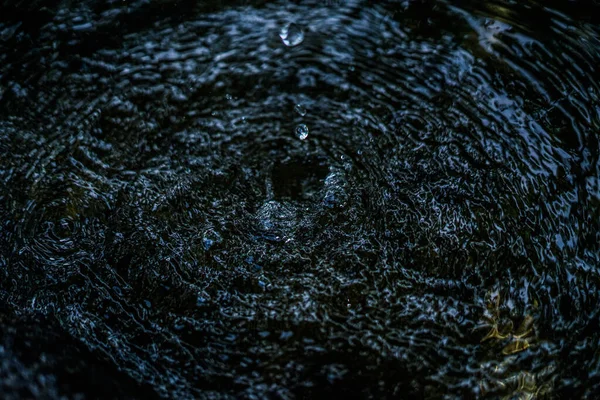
(270, 199)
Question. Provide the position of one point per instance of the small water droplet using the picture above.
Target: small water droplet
(291, 35)
(211, 237)
(302, 131)
(299, 108)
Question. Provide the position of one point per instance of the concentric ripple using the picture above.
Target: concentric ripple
(269, 199)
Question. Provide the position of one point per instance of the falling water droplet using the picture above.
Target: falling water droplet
(291, 35)
(299, 108)
(302, 131)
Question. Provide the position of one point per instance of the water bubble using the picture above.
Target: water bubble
(302, 131)
(299, 108)
(291, 35)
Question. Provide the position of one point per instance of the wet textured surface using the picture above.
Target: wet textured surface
(261, 199)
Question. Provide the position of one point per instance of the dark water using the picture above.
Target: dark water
(403, 202)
